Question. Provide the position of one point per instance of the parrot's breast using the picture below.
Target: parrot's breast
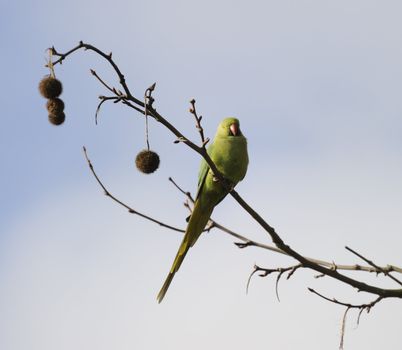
(231, 158)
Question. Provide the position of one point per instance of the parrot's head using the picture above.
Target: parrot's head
(229, 127)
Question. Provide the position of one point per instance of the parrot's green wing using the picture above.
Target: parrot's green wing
(202, 175)
(204, 168)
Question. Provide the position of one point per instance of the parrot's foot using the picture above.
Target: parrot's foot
(226, 183)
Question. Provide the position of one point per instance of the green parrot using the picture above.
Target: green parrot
(228, 151)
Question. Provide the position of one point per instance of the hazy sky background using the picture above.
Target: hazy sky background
(317, 87)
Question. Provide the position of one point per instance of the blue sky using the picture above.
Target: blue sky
(316, 85)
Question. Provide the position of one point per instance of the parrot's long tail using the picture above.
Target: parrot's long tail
(198, 220)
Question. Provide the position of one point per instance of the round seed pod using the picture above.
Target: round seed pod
(57, 119)
(50, 87)
(147, 161)
(55, 106)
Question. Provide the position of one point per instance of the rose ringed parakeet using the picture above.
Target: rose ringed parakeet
(228, 151)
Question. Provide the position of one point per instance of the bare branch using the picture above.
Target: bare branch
(266, 272)
(366, 306)
(108, 57)
(148, 101)
(103, 99)
(343, 326)
(130, 210)
(246, 242)
(282, 247)
(198, 126)
(113, 90)
(378, 268)
(186, 193)
(361, 286)
(361, 307)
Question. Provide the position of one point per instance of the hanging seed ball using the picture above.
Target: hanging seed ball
(147, 161)
(50, 87)
(57, 119)
(55, 106)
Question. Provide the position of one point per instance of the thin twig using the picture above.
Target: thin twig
(361, 307)
(366, 306)
(49, 63)
(130, 209)
(384, 271)
(343, 327)
(266, 272)
(148, 100)
(250, 276)
(102, 81)
(103, 99)
(186, 193)
(108, 57)
(198, 125)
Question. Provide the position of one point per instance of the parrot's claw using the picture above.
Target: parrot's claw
(229, 185)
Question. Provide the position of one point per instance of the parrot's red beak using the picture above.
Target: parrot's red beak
(234, 129)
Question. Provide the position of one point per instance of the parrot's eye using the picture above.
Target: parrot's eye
(234, 129)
